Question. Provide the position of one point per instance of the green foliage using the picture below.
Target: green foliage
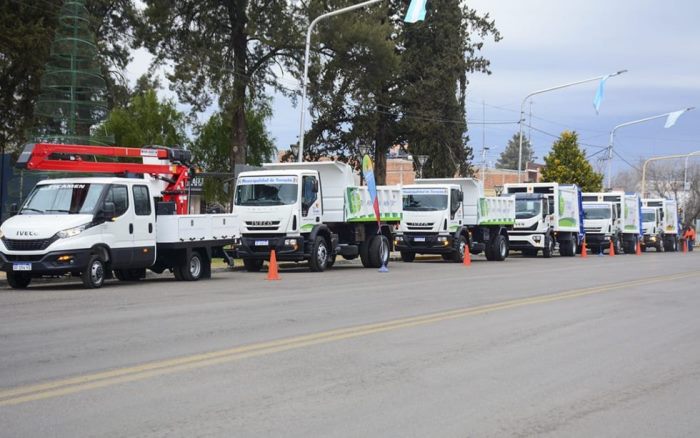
(146, 120)
(225, 50)
(210, 150)
(567, 164)
(510, 156)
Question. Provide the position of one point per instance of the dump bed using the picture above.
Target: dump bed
(496, 210)
(632, 215)
(671, 217)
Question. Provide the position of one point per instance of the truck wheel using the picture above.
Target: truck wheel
(548, 249)
(18, 280)
(460, 251)
(378, 251)
(319, 255)
(659, 246)
(94, 275)
(193, 268)
(364, 254)
(177, 273)
(568, 248)
(499, 249)
(252, 265)
(408, 257)
(617, 246)
(331, 261)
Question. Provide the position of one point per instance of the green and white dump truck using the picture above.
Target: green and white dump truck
(612, 216)
(546, 214)
(660, 224)
(451, 216)
(313, 211)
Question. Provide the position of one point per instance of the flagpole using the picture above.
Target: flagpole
(306, 65)
(634, 122)
(534, 93)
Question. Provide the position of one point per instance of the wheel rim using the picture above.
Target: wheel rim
(502, 248)
(383, 252)
(462, 248)
(322, 254)
(195, 266)
(97, 272)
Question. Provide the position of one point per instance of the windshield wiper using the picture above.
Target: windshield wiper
(59, 211)
(31, 209)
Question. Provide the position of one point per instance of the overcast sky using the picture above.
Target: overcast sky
(551, 42)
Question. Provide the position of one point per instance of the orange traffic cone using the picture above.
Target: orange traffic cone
(272, 273)
(584, 250)
(612, 249)
(639, 248)
(685, 246)
(467, 256)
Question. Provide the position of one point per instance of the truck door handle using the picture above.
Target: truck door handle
(131, 228)
(150, 228)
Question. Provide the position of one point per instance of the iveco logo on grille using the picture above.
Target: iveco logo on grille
(27, 233)
(261, 223)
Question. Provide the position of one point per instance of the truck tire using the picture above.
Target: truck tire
(378, 251)
(617, 246)
(18, 280)
(567, 248)
(319, 254)
(497, 251)
(460, 251)
(193, 268)
(94, 275)
(177, 273)
(331, 261)
(253, 265)
(364, 253)
(408, 257)
(659, 245)
(548, 249)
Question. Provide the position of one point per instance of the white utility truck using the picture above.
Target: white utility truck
(546, 214)
(611, 216)
(93, 226)
(451, 216)
(313, 211)
(660, 224)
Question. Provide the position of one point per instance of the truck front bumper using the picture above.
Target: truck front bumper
(288, 249)
(597, 239)
(52, 263)
(424, 243)
(518, 241)
(650, 240)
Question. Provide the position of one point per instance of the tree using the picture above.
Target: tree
(567, 164)
(228, 50)
(146, 120)
(510, 156)
(210, 149)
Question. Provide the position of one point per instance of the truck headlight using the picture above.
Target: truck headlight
(442, 239)
(72, 232)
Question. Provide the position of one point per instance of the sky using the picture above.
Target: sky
(552, 42)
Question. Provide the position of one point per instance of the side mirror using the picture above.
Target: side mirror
(14, 209)
(108, 211)
(315, 186)
(551, 208)
(461, 197)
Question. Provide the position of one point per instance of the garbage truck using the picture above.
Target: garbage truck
(313, 212)
(612, 216)
(93, 227)
(546, 214)
(449, 216)
(660, 224)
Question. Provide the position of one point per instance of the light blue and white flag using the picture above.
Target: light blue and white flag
(416, 11)
(673, 117)
(599, 94)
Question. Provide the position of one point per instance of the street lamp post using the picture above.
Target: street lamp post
(644, 167)
(306, 64)
(534, 93)
(622, 125)
(685, 171)
(422, 159)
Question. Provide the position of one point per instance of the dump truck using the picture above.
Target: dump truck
(450, 216)
(660, 224)
(612, 216)
(546, 214)
(313, 212)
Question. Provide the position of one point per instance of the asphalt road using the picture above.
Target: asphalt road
(530, 347)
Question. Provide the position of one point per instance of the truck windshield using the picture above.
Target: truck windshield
(424, 202)
(63, 198)
(271, 193)
(648, 216)
(527, 208)
(596, 213)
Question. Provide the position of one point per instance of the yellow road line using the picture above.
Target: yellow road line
(73, 385)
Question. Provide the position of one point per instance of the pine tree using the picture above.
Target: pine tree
(567, 164)
(510, 156)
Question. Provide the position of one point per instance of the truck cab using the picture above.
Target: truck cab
(312, 211)
(652, 228)
(601, 225)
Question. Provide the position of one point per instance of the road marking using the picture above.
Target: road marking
(57, 388)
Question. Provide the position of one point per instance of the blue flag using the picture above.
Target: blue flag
(416, 11)
(599, 94)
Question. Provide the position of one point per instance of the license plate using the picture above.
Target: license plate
(262, 242)
(21, 266)
(419, 239)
